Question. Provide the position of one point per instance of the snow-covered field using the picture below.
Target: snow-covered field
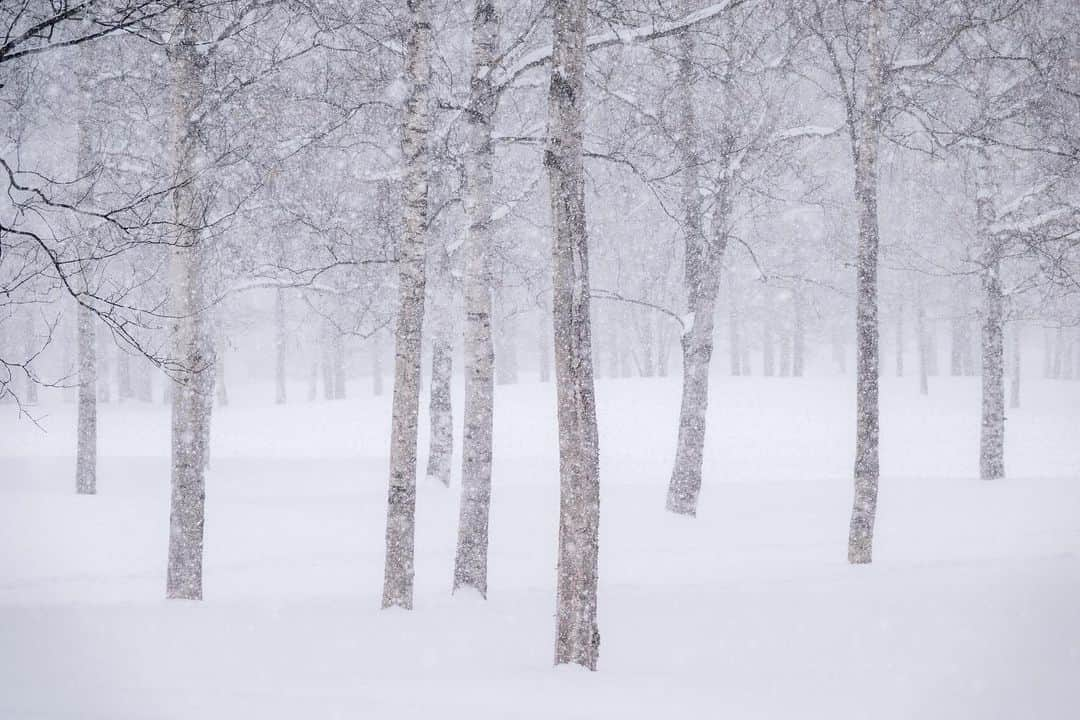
(970, 610)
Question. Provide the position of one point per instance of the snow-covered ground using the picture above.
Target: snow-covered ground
(970, 610)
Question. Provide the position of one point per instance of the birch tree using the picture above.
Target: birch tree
(470, 562)
(577, 637)
(416, 126)
(190, 342)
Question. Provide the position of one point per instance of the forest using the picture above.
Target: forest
(366, 357)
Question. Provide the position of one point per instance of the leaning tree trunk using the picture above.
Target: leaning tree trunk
(864, 506)
(992, 435)
(577, 638)
(191, 351)
(702, 277)
(470, 561)
(86, 448)
(401, 496)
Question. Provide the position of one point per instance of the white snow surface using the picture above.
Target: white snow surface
(970, 609)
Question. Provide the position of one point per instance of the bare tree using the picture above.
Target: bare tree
(577, 638)
(401, 500)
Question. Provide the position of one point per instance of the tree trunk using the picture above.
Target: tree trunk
(281, 393)
(992, 435)
(506, 371)
(702, 263)
(785, 352)
(864, 506)
(471, 558)
(337, 348)
(441, 450)
(191, 350)
(86, 449)
(768, 349)
(1048, 355)
(124, 389)
(798, 339)
(735, 350)
(577, 638)
(956, 354)
(401, 495)
(327, 361)
(924, 345)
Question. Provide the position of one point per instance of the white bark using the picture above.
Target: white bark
(992, 434)
(577, 638)
(440, 410)
(798, 334)
(703, 258)
(401, 496)
(86, 449)
(864, 505)
(470, 561)
(191, 349)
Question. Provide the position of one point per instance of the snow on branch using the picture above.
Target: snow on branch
(644, 33)
(1026, 225)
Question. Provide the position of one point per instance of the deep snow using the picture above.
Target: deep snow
(748, 611)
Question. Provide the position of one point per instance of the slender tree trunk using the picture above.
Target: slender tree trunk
(864, 506)
(280, 347)
(86, 448)
(1047, 354)
(798, 339)
(956, 355)
(124, 390)
(506, 372)
(401, 496)
(924, 346)
(191, 351)
(735, 350)
(768, 348)
(992, 435)
(337, 348)
(785, 352)
(327, 361)
(577, 638)
(471, 558)
(703, 260)
(1014, 391)
(441, 414)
